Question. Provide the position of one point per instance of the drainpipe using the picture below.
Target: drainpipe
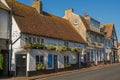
(10, 39)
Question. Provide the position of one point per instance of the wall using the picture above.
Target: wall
(4, 24)
(32, 61)
(76, 22)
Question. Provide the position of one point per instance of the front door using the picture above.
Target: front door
(55, 63)
(21, 64)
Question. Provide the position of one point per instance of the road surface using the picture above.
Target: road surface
(107, 73)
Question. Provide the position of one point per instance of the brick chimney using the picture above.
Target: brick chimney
(68, 12)
(38, 6)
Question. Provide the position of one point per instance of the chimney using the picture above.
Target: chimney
(38, 6)
(68, 11)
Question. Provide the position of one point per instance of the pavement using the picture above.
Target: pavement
(59, 73)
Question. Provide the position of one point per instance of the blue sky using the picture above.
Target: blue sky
(105, 11)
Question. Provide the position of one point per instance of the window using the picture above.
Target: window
(34, 40)
(30, 40)
(26, 39)
(39, 59)
(66, 43)
(42, 41)
(66, 59)
(75, 22)
(38, 40)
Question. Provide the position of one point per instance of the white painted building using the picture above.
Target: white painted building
(110, 42)
(5, 26)
(41, 28)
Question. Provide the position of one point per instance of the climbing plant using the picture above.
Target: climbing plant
(1, 61)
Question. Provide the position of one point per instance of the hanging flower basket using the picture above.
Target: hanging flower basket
(75, 50)
(61, 48)
(1, 61)
(50, 47)
(27, 45)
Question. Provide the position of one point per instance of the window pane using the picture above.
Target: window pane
(30, 40)
(41, 59)
(42, 41)
(34, 40)
(26, 40)
(67, 59)
(38, 40)
(37, 59)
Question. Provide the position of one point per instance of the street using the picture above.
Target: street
(107, 73)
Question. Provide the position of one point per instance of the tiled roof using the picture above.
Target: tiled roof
(48, 25)
(2, 6)
(108, 30)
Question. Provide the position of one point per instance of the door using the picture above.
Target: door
(20, 64)
(55, 63)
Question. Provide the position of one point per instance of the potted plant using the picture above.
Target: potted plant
(67, 65)
(40, 66)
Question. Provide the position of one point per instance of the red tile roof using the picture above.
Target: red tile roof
(108, 30)
(48, 25)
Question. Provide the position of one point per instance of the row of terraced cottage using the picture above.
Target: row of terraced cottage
(44, 43)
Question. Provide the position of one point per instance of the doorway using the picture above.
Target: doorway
(55, 63)
(21, 64)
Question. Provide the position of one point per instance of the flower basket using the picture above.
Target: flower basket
(61, 48)
(37, 46)
(40, 67)
(75, 50)
(27, 45)
(50, 47)
(67, 65)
